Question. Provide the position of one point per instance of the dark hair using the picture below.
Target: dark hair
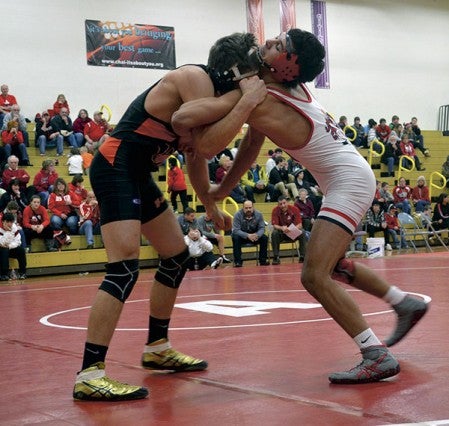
(172, 162)
(189, 210)
(371, 122)
(78, 178)
(279, 159)
(230, 51)
(8, 217)
(12, 205)
(282, 198)
(12, 182)
(311, 54)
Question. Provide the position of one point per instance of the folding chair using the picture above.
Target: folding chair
(431, 231)
(411, 231)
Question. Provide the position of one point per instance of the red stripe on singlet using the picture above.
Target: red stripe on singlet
(109, 149)
(155, 129)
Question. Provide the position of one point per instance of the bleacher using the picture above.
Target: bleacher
(76, 258)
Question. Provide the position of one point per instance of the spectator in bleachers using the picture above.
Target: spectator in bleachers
(420, 194)
(238, 193)
(87, 159)
(77, 191)
(63, 124)
(13, 207)
(89, 219)
(305, 206)
(63, 211)
(80, 122)
(6, 102)
(15, 115)
(394, 230)
(176, 184)
(96, 131)
(383, 131)
(394, 123)
(314, 192)
(46, 135)
(407, 148)
(44, 180)
(13, 140)
(207, 228)
(371, 133)
(36, 224)
(248, 227)
(418, 141)
(75, 162)
(256, 179)
(11, 247)
(386, 194)
(14, 193)
(360, 139)
(271, 162)
(281, 180)
(200, 250)
(187, 220)
(401, 195)
(12, 171)
(60, 103)
(392, 153)
(440, 217)
(284, 217)
(375, 220)
(235, 148)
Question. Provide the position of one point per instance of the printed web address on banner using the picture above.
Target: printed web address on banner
(120, 62)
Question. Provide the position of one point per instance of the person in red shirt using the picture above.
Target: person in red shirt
(383, 130)
(61, 102)
(44, 180)
(36, 223)
(420, 194)
(90, 219)
(401, 195)
(6, 102)
(96, 132)
(394, 229)
(13, 138)
(77, 190)
(407, 149)
(13, 172)
(176, 184)
(283, 216)
(80, 122)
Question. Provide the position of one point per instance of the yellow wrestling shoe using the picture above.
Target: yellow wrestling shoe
(160, 356)
(92, 385)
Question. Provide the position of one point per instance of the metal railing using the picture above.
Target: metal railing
(443, 118)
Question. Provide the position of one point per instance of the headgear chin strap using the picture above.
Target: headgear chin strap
(226, 81)
(285, 67)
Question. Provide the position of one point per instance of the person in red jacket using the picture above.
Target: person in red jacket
(407, 148)
(283, 216)
(61, 102)
(13, 172)
(176, 184)
(401, 195)
(77, 190)
(12, 137)
(394, 229)
(44, 180)
(63, 212)
(420, 194)
(36, 223)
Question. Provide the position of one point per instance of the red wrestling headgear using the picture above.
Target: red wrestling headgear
(286, 66)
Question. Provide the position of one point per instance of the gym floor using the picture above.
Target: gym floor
(269, 345)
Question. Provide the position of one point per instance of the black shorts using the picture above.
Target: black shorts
(125, 189)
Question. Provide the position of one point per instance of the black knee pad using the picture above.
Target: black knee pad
(171, 271)
(120, 278)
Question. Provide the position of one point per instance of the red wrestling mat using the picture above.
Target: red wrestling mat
(269, 345)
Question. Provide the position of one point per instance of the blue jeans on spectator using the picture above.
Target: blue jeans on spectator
(75, 139)
(22, 151)
(58, 141)
(420, 205)
(394, 235)
(404, 206)
(44, 196)
(71, 222)
(88, 229)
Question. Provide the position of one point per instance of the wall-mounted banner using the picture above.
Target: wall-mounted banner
(319, 28)
(118, 44)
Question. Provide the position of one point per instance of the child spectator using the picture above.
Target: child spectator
(10, 246)
(75, 162)
(87, 159)
(89, 219)
(13, 207)
(45, 180)
(394, 229)
(176, 184)
(200, 250)
(36, 224)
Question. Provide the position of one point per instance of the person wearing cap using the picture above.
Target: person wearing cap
(47, 135)
(420, 194)
(407, 149)
(394, 229)
(96, 132)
